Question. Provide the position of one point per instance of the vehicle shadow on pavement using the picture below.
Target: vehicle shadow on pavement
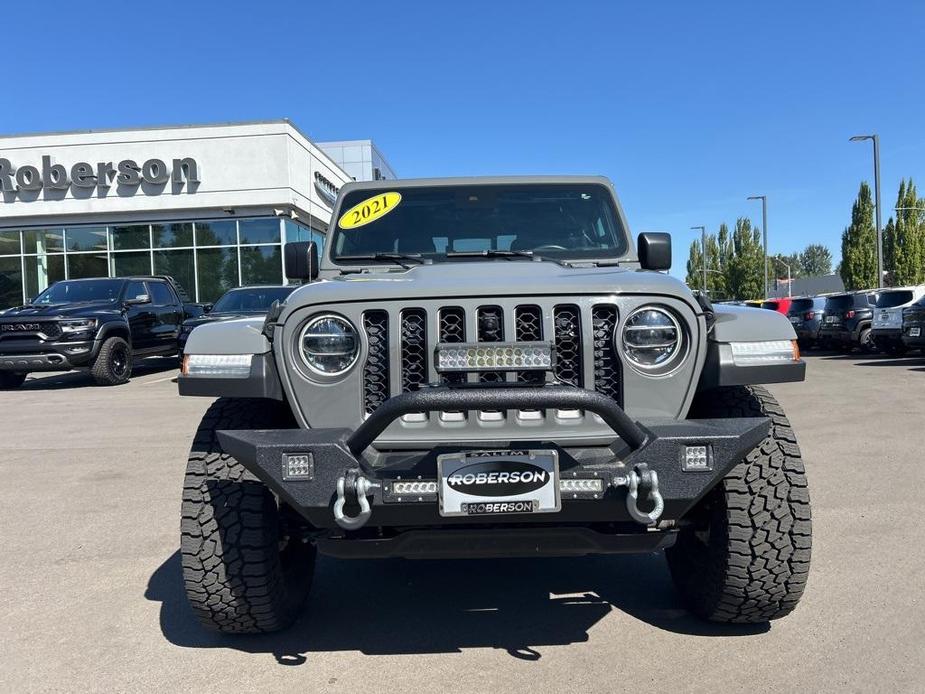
(58, 380)
(395, 606)
(910, 362)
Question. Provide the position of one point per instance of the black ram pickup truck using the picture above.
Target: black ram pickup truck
(100, 324)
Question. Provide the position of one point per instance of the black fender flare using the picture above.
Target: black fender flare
(113, 328)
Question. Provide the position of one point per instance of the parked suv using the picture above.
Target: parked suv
(491, 367)
(236, 303)
(913, 336)
(779, 305)
(806, 315)
(847, 322)
(101, 324)
(887, 324)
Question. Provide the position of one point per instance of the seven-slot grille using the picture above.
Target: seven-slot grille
(576, 335)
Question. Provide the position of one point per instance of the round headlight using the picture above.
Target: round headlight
(653, 340)
(329, 345)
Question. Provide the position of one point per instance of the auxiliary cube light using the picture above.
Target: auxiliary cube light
(494, 356)
(697, 458)
(298, 466)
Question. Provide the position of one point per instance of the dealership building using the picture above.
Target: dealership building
(210, 205)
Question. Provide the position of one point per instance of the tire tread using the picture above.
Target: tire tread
(756, 570)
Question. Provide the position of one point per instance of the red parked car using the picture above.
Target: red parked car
(779, 305)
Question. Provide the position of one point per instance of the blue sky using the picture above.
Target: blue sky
(688, 107)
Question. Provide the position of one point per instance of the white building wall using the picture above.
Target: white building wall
(256, 165)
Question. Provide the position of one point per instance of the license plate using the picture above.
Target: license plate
(795, 320)
(830, 319)
(915, 332)
(482, 483)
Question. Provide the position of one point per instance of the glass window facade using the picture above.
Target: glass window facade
(206, 257)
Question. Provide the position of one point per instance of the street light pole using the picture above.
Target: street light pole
(764, 231)
(703, 237)
(876, 140)
(789, 279)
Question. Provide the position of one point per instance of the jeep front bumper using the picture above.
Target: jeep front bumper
(346, 491)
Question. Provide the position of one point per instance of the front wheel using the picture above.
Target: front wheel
(9, 381)
(113, 364)
(744, 554)
(246, 568)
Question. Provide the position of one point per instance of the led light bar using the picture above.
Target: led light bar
(581, 486)
(494, 356)
(409, 491)
(767, 352)
(414, 487)
(217, 365)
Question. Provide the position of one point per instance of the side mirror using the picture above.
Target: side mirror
(654, 249)
(301, 260)
(140, 299)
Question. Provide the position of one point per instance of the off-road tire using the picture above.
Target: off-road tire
(8, 380)
(745, 556)
(866, 342)
(113, 363)
(242, 571)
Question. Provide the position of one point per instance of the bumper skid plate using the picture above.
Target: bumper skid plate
(330, 478)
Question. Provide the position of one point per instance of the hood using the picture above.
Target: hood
(83, 309)
(214, 317)
(487, 278)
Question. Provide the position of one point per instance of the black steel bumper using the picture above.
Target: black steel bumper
(414, 527)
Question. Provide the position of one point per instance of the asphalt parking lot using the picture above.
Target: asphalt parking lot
(91, 596)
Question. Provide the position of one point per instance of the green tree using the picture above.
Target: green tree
(859, 244)
(716, 279)
(889, 251)
(815, 260)
(725, 247)
(745, 270)
(694, 277)
(907, 246)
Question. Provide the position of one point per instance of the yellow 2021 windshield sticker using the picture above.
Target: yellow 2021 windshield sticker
(369, 210)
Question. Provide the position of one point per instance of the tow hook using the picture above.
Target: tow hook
(358, 487)
(641, 475)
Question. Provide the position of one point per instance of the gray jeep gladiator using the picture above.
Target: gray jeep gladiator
(488, 367)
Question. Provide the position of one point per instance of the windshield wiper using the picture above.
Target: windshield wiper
(398, 258)
(492, 254)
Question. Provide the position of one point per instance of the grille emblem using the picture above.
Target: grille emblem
(21, 327)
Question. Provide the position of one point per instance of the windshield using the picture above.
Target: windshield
(799, 305)
(891, 299)
(254, 300)
(773, 305)
(72, 291)
(565, 221)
